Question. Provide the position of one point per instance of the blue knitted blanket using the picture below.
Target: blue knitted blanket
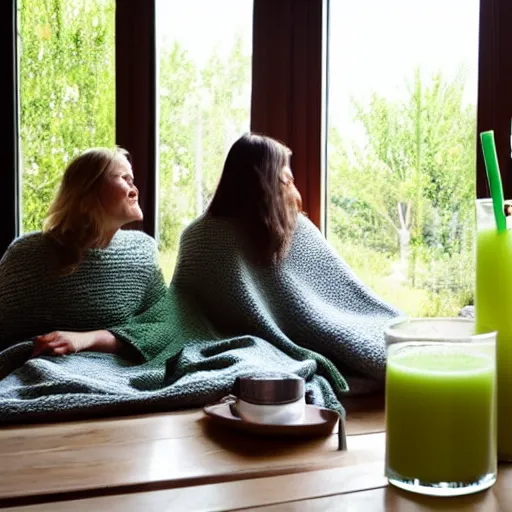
(224, 317)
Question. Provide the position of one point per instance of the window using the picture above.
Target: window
(67, 92)
(204, 95)
(401, 148)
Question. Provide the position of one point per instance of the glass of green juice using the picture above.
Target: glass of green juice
(440, 408)
(493, 309)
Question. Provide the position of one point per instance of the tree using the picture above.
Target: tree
(178, 103)
(413, 174)
(66, 90)
(201, 112)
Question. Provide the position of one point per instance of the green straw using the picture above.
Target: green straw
(493, 177)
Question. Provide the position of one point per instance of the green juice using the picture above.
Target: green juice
(493, 308)
(440, 414)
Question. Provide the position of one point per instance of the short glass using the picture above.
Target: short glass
(440, 409)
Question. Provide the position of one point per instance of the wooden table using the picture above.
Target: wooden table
(181, 461)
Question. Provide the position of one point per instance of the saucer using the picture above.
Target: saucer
(318, 421)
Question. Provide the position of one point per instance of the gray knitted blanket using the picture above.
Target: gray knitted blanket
(222, 317)
(87, 384)
(310, 305)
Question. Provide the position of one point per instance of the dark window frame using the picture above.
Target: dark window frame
(136, 100)
(495, 89)
(287, 87)
(287, 95)
(9, 186)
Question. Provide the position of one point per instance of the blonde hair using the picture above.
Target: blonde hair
(75, 218)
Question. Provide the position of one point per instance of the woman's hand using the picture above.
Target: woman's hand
(59, 343)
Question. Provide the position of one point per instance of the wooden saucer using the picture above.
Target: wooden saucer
(318, 422)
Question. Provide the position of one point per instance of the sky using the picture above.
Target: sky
(199, 25)
(374, 45)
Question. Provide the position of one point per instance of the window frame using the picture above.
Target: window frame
(494, 111)
(287, 88)
(9, 183)
(136, 99)
(288, 95)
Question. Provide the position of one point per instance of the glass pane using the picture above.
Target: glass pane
(401, 148)
(67, 87)
(204, 103)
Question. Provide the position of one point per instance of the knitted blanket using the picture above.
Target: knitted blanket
(222, 317)
(87, 384)
(309, 306)
(119, 288)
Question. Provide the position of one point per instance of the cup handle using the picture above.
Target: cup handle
(231, 400)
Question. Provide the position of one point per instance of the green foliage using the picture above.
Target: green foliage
(417, 156)
(202, 111)
(438, 293)
(67, 86)
(178, 103)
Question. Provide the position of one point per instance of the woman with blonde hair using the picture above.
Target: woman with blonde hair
(82, 283)
(256, 265)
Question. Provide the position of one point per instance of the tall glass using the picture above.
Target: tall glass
(441, 415)
(493, 309)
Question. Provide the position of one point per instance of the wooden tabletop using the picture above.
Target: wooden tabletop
(361, 487)
(182, 461)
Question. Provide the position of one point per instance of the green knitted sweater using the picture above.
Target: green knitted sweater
(119, 288)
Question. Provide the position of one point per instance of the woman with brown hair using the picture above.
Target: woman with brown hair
(255, 265)
(82, 282)
(257, 191)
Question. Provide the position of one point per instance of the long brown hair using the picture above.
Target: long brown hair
(75, 218)
(251, 191)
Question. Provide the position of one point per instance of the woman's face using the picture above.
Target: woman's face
(287, 178)
(118, 195)
(291, 193)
